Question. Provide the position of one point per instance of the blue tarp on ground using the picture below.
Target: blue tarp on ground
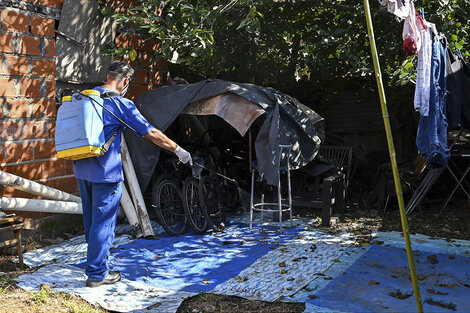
(378, 280)
(195, 263)
(265, 264)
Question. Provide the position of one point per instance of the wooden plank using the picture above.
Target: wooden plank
(8, 243)
(9, 220)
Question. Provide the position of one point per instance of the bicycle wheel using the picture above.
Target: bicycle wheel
(209, 199)
(169, 207)
(192, 207)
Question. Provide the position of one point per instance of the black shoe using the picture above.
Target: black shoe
(113, 277)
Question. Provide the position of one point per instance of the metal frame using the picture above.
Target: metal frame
(284, 154)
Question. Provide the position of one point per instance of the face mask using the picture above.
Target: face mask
(125, 90)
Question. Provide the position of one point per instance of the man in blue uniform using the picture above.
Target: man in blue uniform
(99, 178)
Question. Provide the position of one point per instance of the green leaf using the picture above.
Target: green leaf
(132, 54)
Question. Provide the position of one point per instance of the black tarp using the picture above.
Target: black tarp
(287, 121)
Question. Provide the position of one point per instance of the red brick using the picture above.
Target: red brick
(157, 78)
(44, 68)
(42, 26)
(44, 108)
(53, 168)
(128, 40)
(13, 193)
(51, 129)
(5, 43)
(9, 169)
(15, 21)
(162, 64)
(50, 48)
(146, 60)
(68, 184)
(141, 77)
(150, 45)
(48, 3)
(137, 90)
(30, 171)
(30, 45)
(10, 130)
(34, 129)
(50, 87)
(13, 65)
(44, 149)
(68, 167)
(18, 108)
(120, 10)
(7, 87)
(18, 152)
(124, 3)
(30, 87)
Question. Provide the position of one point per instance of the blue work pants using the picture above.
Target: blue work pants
(431, 139)
(100, 202)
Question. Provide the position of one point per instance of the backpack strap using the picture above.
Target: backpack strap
(108, 143)
(109, 94)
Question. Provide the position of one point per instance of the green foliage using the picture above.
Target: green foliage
(278, 42)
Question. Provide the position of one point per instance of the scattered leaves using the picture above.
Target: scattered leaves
(312, 296)
(436, 292)
(45, 287)
(282, 264)
(153, 306)
(205, 281)
(283, 271)
(433, 259)
(328, 278)
(336, 260)
(399, 295)
(374, 282)
(441, 304)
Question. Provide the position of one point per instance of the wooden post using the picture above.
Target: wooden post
(134, 190)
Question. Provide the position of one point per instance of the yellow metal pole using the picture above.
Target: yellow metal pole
(391, 148)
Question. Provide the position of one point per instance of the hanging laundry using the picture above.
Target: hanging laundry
(458, 98)
(411, 35)
(400, 8)
(431, 139)
(423, 76)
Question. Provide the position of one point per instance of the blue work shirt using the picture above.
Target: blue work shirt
(107, 168)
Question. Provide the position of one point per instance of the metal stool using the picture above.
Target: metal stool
(279, 206)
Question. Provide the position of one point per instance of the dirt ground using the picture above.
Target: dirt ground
(450, 224)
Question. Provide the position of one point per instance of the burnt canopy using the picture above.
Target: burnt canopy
(286, 121)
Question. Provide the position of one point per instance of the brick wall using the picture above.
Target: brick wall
(28, 89)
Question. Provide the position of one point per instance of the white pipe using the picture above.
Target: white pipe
(20, 183)
(35, 205)
(135, 191)
(129, 210)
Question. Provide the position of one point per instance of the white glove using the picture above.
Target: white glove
(183, 156)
